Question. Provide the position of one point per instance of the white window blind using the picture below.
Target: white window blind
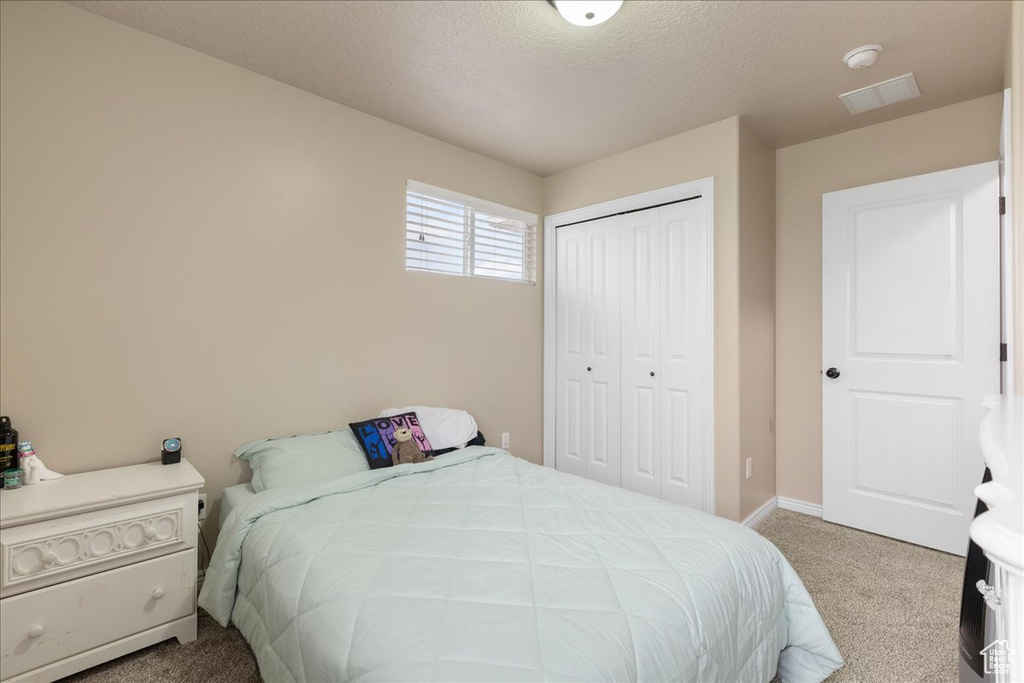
(447, 232)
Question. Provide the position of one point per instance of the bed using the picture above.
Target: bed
(231, 498)
(481, 566)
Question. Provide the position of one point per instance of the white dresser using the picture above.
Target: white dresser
(1000, 533)
(96, 565)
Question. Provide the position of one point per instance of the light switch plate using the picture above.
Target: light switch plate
(504, 440)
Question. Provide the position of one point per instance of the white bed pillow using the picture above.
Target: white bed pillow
(303, 459)
(443, 427)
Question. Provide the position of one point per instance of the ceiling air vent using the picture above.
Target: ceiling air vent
(881, 94)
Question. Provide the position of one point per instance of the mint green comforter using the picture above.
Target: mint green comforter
(481, 566)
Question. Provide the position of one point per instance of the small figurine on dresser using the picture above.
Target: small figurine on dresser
(34, 469)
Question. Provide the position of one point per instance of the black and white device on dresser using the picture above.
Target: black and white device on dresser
(96, 565)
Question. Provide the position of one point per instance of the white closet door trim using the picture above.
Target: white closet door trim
(704, 187)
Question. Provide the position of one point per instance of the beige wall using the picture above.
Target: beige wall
(757, 319)
(1015, 81)
(958, 135)
(190, 249)
(712, 150)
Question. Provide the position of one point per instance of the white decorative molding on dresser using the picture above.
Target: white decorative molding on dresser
(106, 557)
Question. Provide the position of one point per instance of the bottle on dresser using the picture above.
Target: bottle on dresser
(8, 448)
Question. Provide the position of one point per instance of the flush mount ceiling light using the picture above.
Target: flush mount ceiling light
(586, 12)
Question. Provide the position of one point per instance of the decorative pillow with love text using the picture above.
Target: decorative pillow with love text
(377, 437)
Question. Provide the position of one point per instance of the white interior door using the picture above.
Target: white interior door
(686, 369)
(911, 345)
(601, 348)
(641, 341)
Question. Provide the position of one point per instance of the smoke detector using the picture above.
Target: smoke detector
(862, 57)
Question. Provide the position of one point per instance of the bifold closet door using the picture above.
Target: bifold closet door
(685, 367)
(665, 359)
(633, 359)
(641, 341)
(588, 404)
(601, 345)
(571, 362)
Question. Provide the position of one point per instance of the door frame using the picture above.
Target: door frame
(704, 187)
(1006, 245)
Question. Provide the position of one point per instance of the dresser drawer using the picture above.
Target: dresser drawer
(54, 623)
(45, 553)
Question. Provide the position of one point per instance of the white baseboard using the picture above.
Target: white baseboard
(758, 515)
(800, 506)
(784, 503)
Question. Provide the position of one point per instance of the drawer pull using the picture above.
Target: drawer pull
(150, 532)
(49, 557)
(158, 593)
(36, 631)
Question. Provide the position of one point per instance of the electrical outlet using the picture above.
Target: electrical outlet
(750, 467)
(202, 506)
(504, 439)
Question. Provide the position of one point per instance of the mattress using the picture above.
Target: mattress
(481, 566)
(231, 498)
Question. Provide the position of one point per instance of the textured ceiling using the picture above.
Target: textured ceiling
(514, 81)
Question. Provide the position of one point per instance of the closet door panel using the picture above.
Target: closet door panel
(676, 418)
(641, 343)
(602, 350)
(684, 360)
(570, 337)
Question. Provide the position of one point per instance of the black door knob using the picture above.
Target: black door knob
(652, 373)
(832, 373)
(589, 369)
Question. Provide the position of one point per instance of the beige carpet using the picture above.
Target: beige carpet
(892, 609)
(217, 655)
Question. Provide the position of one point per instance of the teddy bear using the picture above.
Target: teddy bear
(406, 449)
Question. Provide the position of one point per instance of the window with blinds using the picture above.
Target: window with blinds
(446, 232)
